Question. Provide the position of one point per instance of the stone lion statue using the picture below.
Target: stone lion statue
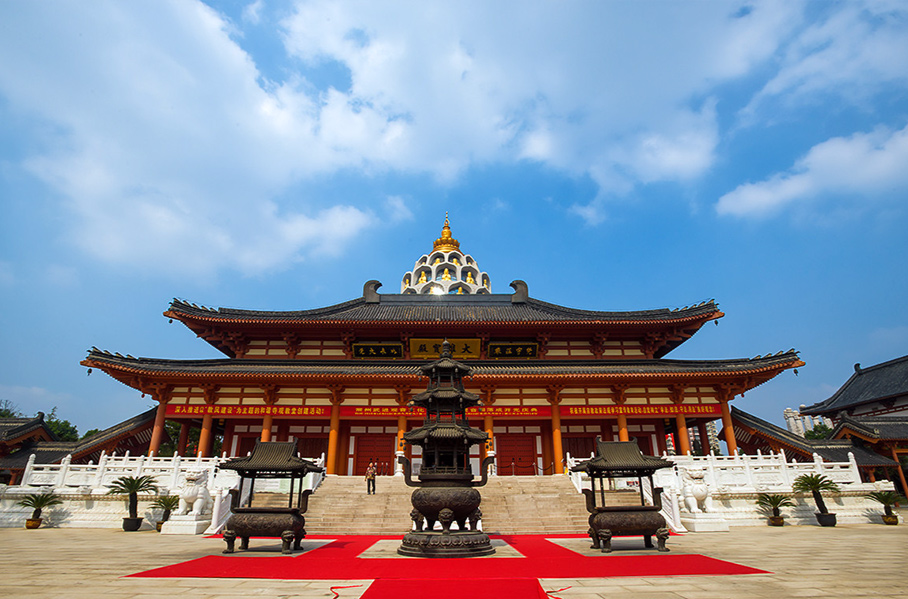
(194, 496)
(697, 496)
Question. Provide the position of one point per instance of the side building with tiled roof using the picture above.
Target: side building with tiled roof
(337, 379)
(132, 435)
(879, 390)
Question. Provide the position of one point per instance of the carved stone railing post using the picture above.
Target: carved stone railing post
(64, 468)
(398, 465)
(28, 469)
(783, 467)
(853, 468)
(175, 475)
(818, 463)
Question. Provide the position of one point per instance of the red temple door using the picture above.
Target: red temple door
(374, 448)
(312, 447)
(516, 454)
(645, 444)
(580, 447)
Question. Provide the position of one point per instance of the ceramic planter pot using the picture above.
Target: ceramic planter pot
(32, 523)
(891, 520)
(825, 519)
(132, 524)
(776, 521)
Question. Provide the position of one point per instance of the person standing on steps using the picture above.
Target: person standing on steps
(370, 479)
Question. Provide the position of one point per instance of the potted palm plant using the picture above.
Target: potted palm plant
(38, 502)
(888, 499)
(772, 504)
(168, 503)
(132, 486)
(816, 484)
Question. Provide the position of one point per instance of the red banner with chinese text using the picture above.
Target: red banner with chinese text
(246, 411)
(642, 410)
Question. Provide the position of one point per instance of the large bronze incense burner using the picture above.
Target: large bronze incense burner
(269, 460)
(445, 493)
(623, 459)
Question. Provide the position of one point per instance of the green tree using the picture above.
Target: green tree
(815, 484)
(90, 432)
(169, 446)
(131, 486)
(9, 410)
(63, 429)
(820, 431)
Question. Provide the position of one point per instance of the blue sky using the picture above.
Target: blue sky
(614, 155)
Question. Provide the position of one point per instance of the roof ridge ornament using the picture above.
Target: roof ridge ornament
(521, 292)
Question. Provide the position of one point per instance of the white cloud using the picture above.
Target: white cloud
(850, 52)
(165, 140)
(397, 210)
(863, 167)
(165, 144)
(252, 13)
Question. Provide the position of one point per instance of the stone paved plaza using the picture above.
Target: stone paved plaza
(858, 560)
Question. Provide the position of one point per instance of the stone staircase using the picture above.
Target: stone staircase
(510, 505)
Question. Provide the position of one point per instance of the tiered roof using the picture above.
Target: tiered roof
(51, 452)
(886, 382)
(272, 459)
(128, 369)
(620, 458)
(831, 450)
(516, 313)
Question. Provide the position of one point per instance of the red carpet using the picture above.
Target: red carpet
(542, 559)
(518, 588)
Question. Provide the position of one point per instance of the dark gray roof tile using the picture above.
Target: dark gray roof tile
(888, 380)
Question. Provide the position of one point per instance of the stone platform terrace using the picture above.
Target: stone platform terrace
(856, 560)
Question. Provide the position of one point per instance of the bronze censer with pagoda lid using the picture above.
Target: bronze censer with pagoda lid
(446, 491)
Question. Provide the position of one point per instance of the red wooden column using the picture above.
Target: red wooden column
(557, 451)
(403, 397)
(162, 395)
(725, 394)
(268, 419)
(206, 439)
(334, 431)
(704, 437)
(227, 445)
(620, 398)
(681, 421)
(488, 422)
(184, 438)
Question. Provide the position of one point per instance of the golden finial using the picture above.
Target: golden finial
(446, 243)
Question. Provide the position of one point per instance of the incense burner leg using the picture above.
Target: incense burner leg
(286, 538)
(605, 537)
(446, 517)
(661, 537)
(475, 517)
(244, 543)
(594, 537)
(648, 541)
(418, 519)
(230, 538)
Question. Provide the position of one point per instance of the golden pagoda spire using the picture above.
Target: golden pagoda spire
(446, 243)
